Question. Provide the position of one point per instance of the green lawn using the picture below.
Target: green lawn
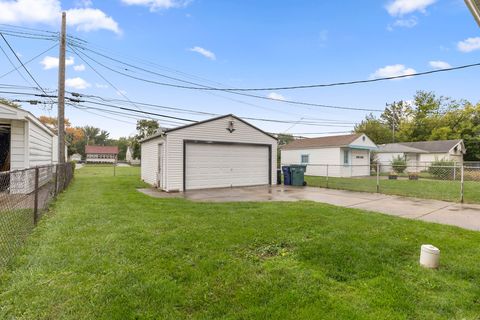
(107, 251)
(422, 188)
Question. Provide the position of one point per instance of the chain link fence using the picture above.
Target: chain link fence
(120, 168)
(455, 182)
(24, 197)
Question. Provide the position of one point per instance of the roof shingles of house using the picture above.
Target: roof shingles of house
(322, 142)
(101, 149)
(440, 146)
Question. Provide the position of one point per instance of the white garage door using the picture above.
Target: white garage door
(224, 165)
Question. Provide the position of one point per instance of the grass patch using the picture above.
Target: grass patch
(422, 188)
(110, 252)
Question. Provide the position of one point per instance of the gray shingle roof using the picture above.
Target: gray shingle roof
(440, 146)
(322, 142)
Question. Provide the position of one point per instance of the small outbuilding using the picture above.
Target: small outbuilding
(225, 151)
(335, 156)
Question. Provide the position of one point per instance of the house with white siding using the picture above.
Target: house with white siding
(335, 156)
(25, 142)
(420, 154)
(225, 151)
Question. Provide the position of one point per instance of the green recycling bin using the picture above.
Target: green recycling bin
(298, 174)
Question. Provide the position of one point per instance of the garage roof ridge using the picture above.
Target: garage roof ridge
(166, 131)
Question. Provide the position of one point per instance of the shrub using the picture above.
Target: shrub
(399, 164)
(442, 169)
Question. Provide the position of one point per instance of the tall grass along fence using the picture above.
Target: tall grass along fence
(24, 197)
(436, 180)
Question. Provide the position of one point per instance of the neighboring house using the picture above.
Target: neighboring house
(345, 155)
(420, 154)
(101, 154)
(25, 142)
(221, 152)
(76, 157)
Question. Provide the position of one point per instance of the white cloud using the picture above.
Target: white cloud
(88, 19)
(401, 7)
(405, 23)
(77, 83)
(469, 45)
(154, 5)
(49, 62)
(438, 64)
(392, 71)
(101, 86)
(276, 96)
(79, 67)
(204, 52)
(49, 12)
(83, 3)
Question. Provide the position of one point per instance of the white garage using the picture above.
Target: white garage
(221, 152)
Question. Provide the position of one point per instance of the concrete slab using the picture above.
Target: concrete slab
(464, 216)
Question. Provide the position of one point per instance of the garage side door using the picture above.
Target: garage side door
(224, 165)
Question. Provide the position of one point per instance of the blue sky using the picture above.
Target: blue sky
(256, 44)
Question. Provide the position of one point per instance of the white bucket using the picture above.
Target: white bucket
(429, 256)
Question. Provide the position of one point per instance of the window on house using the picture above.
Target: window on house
(305, 158)
(345, 157)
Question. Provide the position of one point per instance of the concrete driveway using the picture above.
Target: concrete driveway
(461, 215)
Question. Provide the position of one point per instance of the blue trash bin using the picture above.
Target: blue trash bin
(287, 177)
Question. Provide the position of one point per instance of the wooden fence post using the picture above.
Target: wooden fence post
(35, 203)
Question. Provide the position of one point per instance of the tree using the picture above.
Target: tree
(9, 103)
(284, 138)
(123, 143)
(72, 135)
(102, 138)
(375, 129)
(395, 115)
(145, 128)
(90, 134)
(429, 117)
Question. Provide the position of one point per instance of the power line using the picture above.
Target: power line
(24, 67)
(183, 110)
(309, 86)
(13, 65)
(220, 89)
(28, 61)
(307, 123)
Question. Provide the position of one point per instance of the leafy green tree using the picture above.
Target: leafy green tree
(101, 139)
(123, 143)
(91, 134)
(375, 129)
(145, 128)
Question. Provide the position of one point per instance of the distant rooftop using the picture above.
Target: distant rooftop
(101, 149)
(322, 142)
(439, 146)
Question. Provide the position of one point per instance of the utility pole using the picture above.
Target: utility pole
(61, 92)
